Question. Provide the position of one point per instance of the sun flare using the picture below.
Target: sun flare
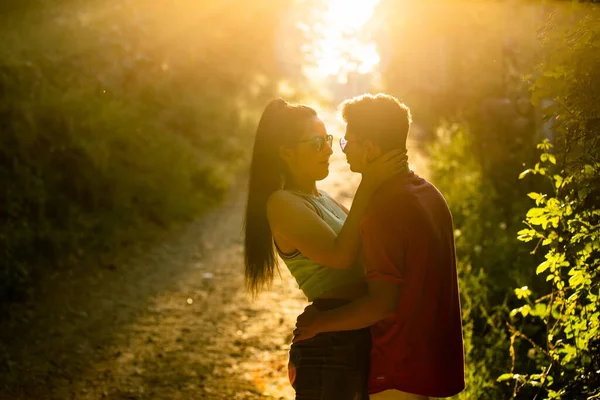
(340, 45)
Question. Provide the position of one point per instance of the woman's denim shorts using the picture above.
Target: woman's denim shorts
(332, 365)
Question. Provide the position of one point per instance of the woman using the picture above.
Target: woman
(318, 239)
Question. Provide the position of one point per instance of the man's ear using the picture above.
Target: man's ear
(372, 151)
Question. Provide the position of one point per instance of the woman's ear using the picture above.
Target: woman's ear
(285, 153)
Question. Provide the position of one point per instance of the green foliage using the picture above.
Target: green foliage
(564, 223)
(119, 117)
(485, 244)
(568, 230)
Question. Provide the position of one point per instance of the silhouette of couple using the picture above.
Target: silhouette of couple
(385, 319)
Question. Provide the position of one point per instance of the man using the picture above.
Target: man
(412, 303)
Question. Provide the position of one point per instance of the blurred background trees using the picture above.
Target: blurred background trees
(116, 114)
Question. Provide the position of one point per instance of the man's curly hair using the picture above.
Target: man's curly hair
(380, 118)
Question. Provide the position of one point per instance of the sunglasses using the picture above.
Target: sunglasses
(319, 141)
(343, 143)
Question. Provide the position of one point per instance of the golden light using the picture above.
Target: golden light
(340, 45)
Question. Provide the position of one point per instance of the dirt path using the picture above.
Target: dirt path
(173, 322)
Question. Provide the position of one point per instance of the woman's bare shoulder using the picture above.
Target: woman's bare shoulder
(281, 198)
(282, 202)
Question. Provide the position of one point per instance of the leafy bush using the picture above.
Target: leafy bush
(114, 116)
(565, 221)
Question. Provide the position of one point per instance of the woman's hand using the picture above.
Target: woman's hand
(383, 168)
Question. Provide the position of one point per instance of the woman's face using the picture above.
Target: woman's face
(308, 158)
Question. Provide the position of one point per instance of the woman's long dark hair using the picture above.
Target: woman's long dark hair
(281, 124)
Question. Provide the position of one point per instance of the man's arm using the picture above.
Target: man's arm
(379, 303)
(384, 249)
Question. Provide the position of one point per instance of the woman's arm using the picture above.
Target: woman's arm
(291, 218)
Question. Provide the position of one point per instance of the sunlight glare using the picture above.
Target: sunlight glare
(343, 16)
(339, 47)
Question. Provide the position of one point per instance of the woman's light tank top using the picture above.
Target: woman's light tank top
(313, 278)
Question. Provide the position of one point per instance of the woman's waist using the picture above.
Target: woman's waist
(322, 282)
(341, 295)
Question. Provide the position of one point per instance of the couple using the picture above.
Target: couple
(385, 317)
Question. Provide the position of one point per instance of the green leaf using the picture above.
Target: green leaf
(576, 279)
(545, 145)
(535, 212)
(540, 309)
(524, 173)
(504, 377)
(523, 293)
(542, 267)
(558, 180)
(526, 235)
(583, 192)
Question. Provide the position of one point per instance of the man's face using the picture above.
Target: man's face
(355, 150)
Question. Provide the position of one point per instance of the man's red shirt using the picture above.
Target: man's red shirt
(408, 239)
